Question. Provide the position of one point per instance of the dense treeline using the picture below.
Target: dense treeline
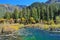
(36, 12)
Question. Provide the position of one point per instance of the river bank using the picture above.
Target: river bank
(31, 34)
(17, 26)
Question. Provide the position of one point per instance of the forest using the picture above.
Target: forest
(38, 19)
(35, 13)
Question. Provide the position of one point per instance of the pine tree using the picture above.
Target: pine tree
(38, 11)
(7, 15)
(34, 13)
(16, 14)
(48, 13)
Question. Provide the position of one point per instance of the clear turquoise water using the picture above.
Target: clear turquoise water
(37, 34)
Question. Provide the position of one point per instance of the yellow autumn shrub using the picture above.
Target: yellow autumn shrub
(32, 19)
(13, 27)
(46, 27)
(1, 19)
(52, 22)
(23, 19)
(57, 26)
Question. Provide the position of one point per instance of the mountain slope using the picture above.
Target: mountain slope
(52, 1)
(9, 8)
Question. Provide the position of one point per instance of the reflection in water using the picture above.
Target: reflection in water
(35, 34)
(39, 34)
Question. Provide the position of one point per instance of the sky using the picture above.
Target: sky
(20, 2)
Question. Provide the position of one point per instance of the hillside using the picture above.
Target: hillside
(10, 8)
(53, 1)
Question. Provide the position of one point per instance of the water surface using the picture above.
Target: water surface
(37, 34)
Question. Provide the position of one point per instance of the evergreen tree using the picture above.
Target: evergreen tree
(15, 14)
(7, 15)
(38, 11)
(34, 13)
(48, 13)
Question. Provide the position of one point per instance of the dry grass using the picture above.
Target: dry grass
(43, 26)
(15, 27)
(10, 27)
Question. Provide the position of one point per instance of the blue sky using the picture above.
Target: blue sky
(20, 2)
